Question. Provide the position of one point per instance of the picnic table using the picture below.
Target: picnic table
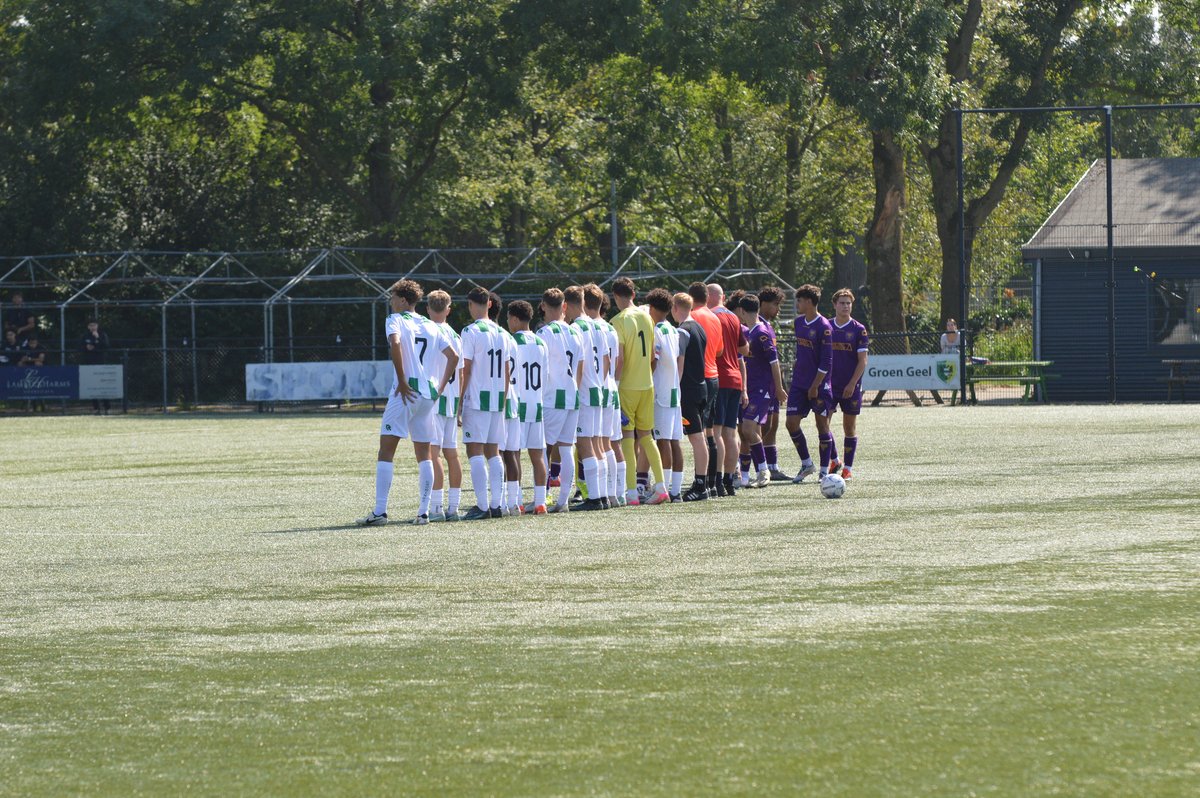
(1182, 373)
(1029, 373)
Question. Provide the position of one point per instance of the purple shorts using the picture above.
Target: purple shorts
(799, 404)
(759, 408)
(851, 406)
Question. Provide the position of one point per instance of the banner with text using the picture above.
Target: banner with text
(295, 382)
(62, 382)
(912, 373)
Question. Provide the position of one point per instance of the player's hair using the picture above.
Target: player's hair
(734, 300)
(624, 287)
(521, 310)
(749, 303)
(494, 307)
(408, 290)
(682, 300)
(660, 300)
(606, 304)
(478, 295)
(552, 298)
(593, 297)
(699, 293)
(573, 295)
(438, 300)
(809, 291)
(770, 293)
(841, 292)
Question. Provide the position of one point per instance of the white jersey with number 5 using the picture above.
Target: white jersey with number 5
(420, 344)
(564, 351)
(666, 370)
(530, 371)
(483, 348)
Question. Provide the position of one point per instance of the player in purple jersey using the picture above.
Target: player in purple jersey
(810, 389)
(849, 344)
(763, 385)
(770, 300)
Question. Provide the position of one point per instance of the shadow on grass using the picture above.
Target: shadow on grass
(300, 530)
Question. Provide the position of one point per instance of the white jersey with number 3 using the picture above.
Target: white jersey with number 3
(483, 348)
(564, 350)
(448, 401)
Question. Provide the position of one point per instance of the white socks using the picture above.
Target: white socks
(452, 503)
(424, 486)
(619, 482)
(610, 461)
(495, 473)
(514, 495)
(435, 504)
(479, 480)
(676, 482)
(566, 475)
(383, 484)
(539, 495)
(591, 477)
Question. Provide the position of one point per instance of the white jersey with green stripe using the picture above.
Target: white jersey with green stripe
(483, 348)
(666, 368)
(448, 401)
(595, 348)
(614, 347)
(510, 357)
(531, 366)
(420, 340)
(564, 353)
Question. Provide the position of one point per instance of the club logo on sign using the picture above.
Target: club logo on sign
(946, 370)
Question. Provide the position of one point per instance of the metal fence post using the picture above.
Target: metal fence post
(1112, 265)
(964, 319)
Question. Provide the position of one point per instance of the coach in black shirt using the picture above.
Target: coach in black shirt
(93, 348)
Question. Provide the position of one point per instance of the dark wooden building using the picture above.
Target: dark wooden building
(1156, 237)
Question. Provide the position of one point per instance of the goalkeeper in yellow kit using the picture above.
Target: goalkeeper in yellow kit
(635, 364)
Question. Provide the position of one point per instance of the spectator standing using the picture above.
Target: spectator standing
(92, 353)
(33, 355)
(20, 319)
(10, 352)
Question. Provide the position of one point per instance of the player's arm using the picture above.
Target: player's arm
(451, 364)
(465, 377)
(777, 375)
(580, 365)
(745, 385)
(859, 370)
(402, 388)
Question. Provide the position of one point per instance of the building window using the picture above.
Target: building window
(1175, 312)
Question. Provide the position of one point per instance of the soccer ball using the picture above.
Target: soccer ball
(832, 486)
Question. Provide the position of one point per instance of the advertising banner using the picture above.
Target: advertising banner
(912, 373)
(294, 382)
(44, 382)
(101, 382)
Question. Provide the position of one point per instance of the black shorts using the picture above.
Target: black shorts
(710, 404)
(692, 402)
(729, 405)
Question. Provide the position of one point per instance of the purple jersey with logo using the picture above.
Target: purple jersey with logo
(813, 353)
(846, 343)
(763, 353)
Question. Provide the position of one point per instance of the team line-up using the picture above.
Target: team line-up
(615, 397)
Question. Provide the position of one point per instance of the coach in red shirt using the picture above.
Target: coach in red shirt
(730, 382)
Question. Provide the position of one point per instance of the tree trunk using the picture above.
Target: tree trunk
(789, 258)
(733, 208)
(381, 174)
(884, 237)
(849, 268)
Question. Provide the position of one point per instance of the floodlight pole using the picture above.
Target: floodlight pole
(614, 222)
(963, 320)
(1112, 265)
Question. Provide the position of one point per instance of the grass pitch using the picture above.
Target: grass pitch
(1005, 602)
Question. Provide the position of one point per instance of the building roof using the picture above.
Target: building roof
(1156, 206)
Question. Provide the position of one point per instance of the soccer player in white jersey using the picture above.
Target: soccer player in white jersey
(532, 364)
(595, 304)
(446, 438)
(413, 341)
(668, 417)
(560, 399)
(591, 439)
(485, 378)
(510, 443)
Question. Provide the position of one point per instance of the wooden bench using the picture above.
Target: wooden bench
(1182, 374)
(1027, 373)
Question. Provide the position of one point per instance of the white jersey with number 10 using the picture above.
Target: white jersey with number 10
(529, 374)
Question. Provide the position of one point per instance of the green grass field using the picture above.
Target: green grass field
(1004, 603)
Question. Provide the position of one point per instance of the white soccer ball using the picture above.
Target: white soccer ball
(832, 486)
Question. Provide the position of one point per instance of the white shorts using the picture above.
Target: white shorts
(482, 426)
(612, 424)
(590, 423)
(512, 435)
(421, 420)
(533, 435)
(668, 423)
(560, 425)
(447, 431)
(395, 417)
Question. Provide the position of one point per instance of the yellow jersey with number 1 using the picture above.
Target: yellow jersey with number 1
(635, 331)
